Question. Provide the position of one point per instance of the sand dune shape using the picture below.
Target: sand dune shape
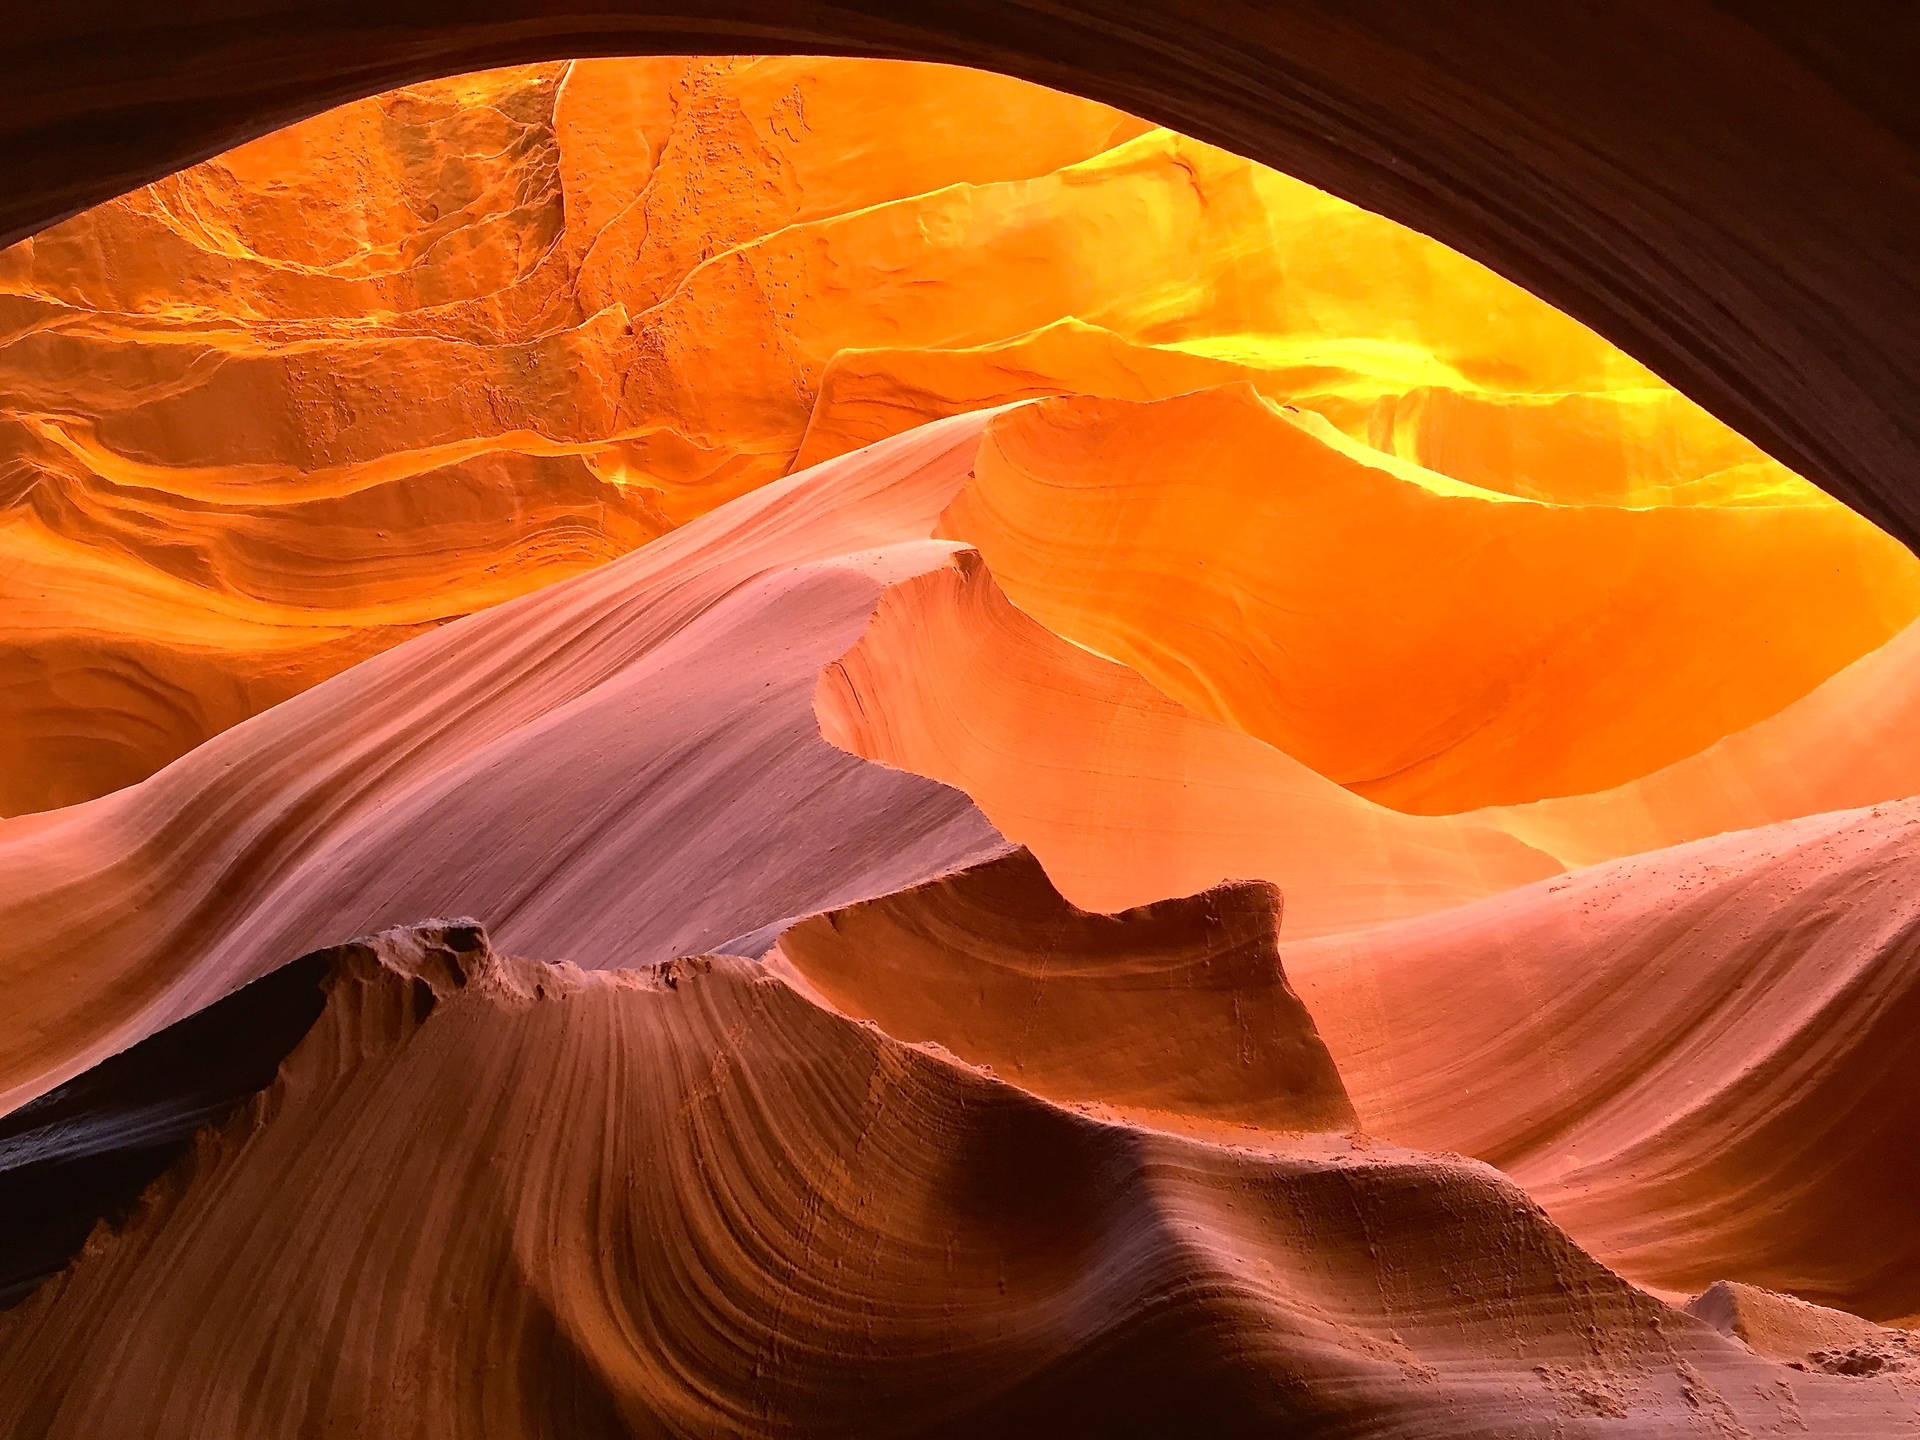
(1782, 1327)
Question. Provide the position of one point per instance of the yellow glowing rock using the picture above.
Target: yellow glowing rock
(1161, 241)
(750, 147)
(868, 394)
(1644, 447)
(441, 196)
(1429, 644)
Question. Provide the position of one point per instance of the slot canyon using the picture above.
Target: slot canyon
(793, 744)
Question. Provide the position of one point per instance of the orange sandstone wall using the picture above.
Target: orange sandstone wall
(290, 407)
(435, 349)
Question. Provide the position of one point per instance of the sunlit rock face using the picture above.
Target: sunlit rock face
(1430, 644)
(433, 350)
(810, 747)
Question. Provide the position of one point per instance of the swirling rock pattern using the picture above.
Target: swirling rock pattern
(422, 355)
(624, 765)
(1124, 794)
(590, 499)
(684, 1199)
(1429, 644)
(1727, 190)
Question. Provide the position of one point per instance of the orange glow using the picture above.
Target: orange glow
(436, 349)
(1429, 644)
(1126, 796)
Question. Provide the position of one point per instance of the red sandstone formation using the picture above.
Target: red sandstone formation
(1142, 802)
(1726, 189)
(577, 769)
(691, 1201)
(416, 357)
(1804, 1336)
(1429, 644)
(428, 352)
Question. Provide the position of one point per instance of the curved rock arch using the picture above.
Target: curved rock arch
(1729, 191)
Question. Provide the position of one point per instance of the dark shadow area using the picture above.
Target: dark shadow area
(84, 1152)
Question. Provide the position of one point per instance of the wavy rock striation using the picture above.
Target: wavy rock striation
(421, 355)
(1123, 794)
(624, 766)
(513, 1198)
(1431, 645)
(399, 516)
(1728, 190)
(1692, 1059)
(431, 351)
(1126, 795)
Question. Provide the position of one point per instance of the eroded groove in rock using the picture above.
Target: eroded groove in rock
(1694, 180)
(564, 495)
(1432, 645)
(1842, 746)
(428, 352)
